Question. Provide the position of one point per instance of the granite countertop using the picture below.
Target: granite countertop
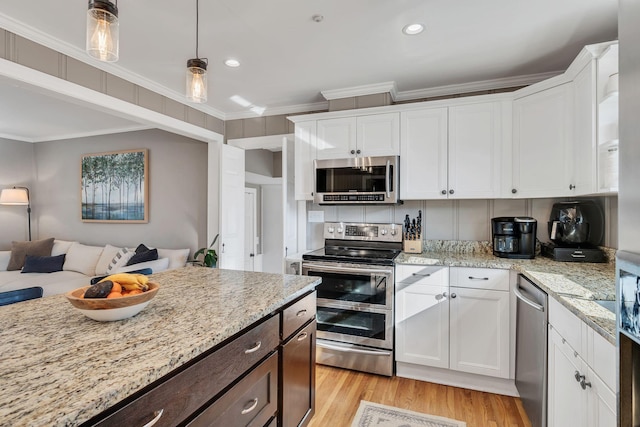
(60, 368)
(575, 285)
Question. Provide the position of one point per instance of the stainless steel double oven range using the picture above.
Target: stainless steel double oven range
(356, 297)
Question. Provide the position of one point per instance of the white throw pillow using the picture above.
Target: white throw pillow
(61, 247)
(119, 260)
(156, 266)
(5, 256)
(107, 256)
(177, 257)
(82, 258)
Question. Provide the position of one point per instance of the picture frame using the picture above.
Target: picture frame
(114, 187)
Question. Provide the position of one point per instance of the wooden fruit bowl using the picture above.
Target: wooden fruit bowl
(75, 298)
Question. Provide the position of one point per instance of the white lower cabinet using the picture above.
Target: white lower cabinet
(446, 319)
(580, 380)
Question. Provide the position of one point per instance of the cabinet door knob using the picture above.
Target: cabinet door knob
(453, 295)
(571, 186)
(353, 151)
(451, 191)
(254, 348)
(584, 384)
(444, 191)
(514, 191)
(577, 376)
(251, 405)
(157, 415)
(358, 151)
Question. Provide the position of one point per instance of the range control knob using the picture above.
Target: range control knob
(383, 231)
(340, 230)
(393, 231)
(331, 229)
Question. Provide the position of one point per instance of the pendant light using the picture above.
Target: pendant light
(103, 30)
(197, 72)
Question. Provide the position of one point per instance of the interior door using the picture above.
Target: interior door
(231, 208)
(249, 229)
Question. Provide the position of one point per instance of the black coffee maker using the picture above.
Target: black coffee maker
(514, 237)
(576, 229)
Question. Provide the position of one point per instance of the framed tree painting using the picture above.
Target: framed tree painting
(115, 187)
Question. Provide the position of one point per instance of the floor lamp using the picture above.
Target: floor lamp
(17, 196)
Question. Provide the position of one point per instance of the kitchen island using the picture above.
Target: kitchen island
(60, 368)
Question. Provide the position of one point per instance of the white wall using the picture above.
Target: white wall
(177, 191)
(455, 219)
(629, 125)
(272, 233)
(17, 167)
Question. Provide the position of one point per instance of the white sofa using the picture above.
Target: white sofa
(82, 263)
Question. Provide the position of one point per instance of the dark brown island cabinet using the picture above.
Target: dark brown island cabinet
(263, 376)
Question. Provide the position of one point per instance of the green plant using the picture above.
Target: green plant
(210, 256)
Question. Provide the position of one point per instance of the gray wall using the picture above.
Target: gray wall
(629, 194)
(17, 167)
(177, 191)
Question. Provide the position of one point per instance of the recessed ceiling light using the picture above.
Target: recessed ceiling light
(233, 63)
(413, 29)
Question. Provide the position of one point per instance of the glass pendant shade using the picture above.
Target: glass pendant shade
(103, 30)
(197, 80)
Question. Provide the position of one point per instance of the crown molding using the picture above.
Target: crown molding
(292, 109)
(492, 84)
(371, 89)
(15, 137)
(92, 133)
(38, 36)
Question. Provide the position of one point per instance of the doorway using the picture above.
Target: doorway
(251, 238)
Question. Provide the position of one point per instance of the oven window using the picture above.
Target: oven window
(343, 180)
(362, 288)
(351, 322)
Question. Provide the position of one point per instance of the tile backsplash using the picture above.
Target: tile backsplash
(458, 219)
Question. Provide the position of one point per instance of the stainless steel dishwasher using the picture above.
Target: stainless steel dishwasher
(531, 350)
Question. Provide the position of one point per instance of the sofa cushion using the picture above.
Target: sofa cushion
(143, 254)
(5, 256)
(155, 265)
(82, 258)
(105, 259)
(119, 260)
(43, 264)
(177, 257)
(51, 283)
(20, 250)
(60, 247)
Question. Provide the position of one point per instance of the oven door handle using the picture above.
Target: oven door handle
(351, 349)
(329, 269)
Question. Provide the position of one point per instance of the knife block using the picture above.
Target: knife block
(412, 246)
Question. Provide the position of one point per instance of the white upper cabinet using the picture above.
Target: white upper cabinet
(336, 138)
(423, 154)
(305, 154)
(475, 150)
(362, 136)
(542, 143)
(454, 152)
(584, 151)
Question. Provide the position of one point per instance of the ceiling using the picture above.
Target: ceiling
(287, 59)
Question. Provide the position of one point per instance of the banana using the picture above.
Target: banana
(130, 281)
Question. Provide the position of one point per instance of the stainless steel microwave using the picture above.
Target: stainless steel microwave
(357, 180)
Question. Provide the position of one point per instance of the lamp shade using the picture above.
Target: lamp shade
(103, 30)
(14, 196)
(197, 80)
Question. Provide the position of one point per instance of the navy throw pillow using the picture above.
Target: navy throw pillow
(43, 264)
(143, 254)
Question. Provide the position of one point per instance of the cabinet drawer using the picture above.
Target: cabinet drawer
(480, 278)
(567, 324)
(422, 275)
(297, 314)
(185, 392)
(251, 402)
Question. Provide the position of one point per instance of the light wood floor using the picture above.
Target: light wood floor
(339, 391)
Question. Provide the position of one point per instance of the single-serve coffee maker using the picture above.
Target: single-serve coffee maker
(514, 237)
(576, 229)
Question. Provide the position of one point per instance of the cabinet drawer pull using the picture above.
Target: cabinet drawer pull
(302, 336)
(478, 278)
(301, 312)
(251, 406)
(157, 415)
(422, 275)
(253, 349)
